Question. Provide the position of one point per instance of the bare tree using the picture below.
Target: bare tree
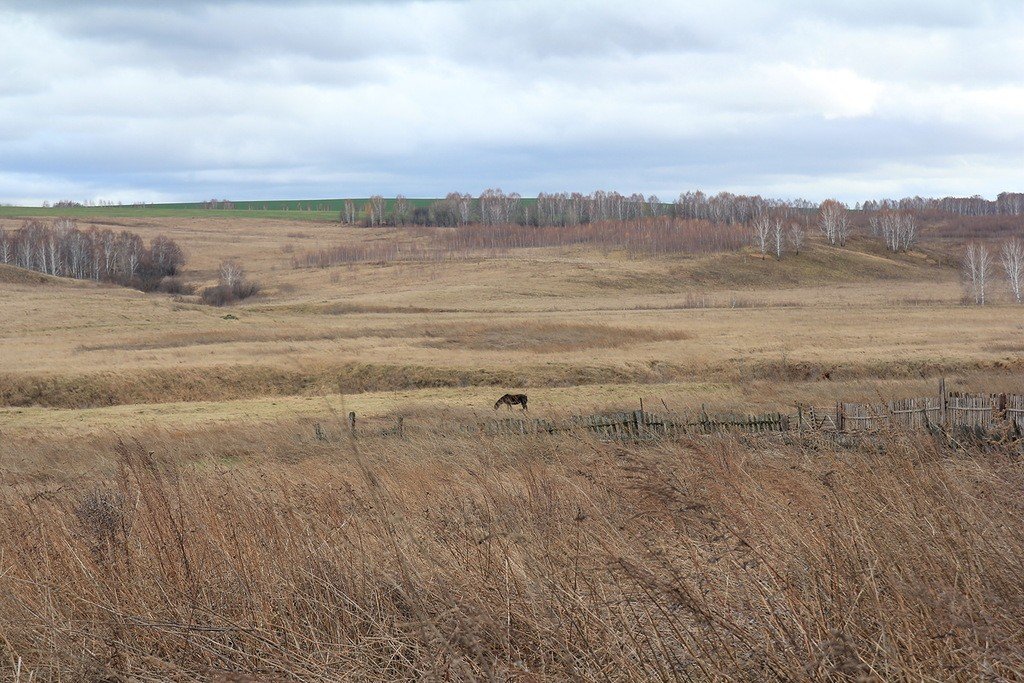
(231, 273)
(130, 251)
(108, 241)
(6, 244)
(908, 230)
(465, 207)
(889, 227)
(654, 205)
(875, 225)
(375, 210)
(166, 255)
(348, 212)
(1012, 258)
(779, 234)
(834, 220)
(762, 231)
(402, 210)
(977, 266)
(797, 236)
(63, 250)
(898, 229)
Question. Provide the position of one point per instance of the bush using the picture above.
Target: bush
(223, 295)
(175, 285)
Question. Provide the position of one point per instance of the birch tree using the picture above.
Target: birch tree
(779, 234)
(231, 273)
(908, 230)
(1012, 258)
(465, 203)
(348, 212)
(797, 236)
(875, 224)
(6, 244)
(762, 232)
(834, 221)
(889, 223)
(376, 214)
(977, 266)
(130, 250)
(402, 210)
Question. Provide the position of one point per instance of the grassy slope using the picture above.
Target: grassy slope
(12, 275)
(543, 319)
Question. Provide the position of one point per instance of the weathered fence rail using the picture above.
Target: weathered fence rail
(641, 424)
(947, 410)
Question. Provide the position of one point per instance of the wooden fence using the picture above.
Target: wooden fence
(946, 410)
(639, 424)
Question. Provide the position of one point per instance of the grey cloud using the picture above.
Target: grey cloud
(259, 99)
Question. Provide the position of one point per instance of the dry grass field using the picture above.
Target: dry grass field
(169, 515)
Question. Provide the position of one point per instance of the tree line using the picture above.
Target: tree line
(656, 235)
(63, 250)
(495, 207)
(1005, 204)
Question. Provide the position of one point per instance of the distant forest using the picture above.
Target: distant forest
(494, 207)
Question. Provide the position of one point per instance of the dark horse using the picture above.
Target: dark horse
(511, 400)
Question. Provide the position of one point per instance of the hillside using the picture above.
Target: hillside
(12, 275)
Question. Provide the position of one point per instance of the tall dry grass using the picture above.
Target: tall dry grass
(548, 558)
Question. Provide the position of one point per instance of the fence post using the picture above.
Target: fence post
(840, 417)
(942, 402)
(799, 419)
(352, 423)
(400, 428)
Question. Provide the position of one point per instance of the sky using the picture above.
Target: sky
(163, 101)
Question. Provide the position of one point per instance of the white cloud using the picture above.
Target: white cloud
(258, 99)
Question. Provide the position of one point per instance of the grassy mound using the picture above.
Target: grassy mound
(12, 275)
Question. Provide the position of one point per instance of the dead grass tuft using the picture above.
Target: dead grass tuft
(456, 558)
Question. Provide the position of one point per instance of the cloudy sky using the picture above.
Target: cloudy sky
(151, 101)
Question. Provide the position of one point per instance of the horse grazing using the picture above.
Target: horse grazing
(511, 400)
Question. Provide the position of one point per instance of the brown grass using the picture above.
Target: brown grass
(243, 544)
(714, 559)
(222, 383)
(542, 337)
(12, 275)
(232, 382)
(178, 340)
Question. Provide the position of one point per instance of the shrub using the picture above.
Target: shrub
(223, 295)
(175, 285)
